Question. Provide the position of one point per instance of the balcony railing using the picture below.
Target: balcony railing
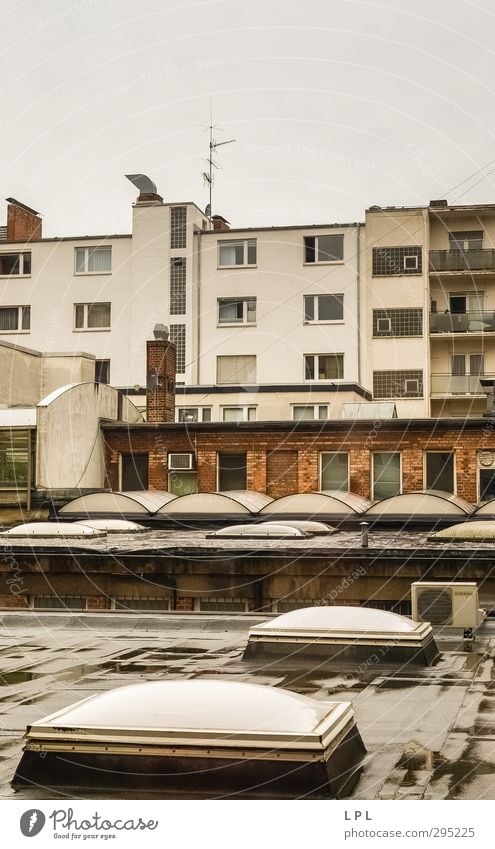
(457, 384)
(469, 260)
(466, 322)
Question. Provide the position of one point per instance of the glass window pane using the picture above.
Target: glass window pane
(231, 472)
(134, 472)
(335, 471)
(330, 307)
(309, 249)
(9, 318)
(251, 414)
(487, 484)
(323, 411)
(98, 315)
(303, 413)
(251, 310)
(80, 259)
(228, 311)
(386, 475)
(330, 248)
(309, 308)
(330, 366)
(14, 455)
(99, 259)
(26, 268)
(251, 252)
(309, 366)
(182, 483)
(188, 414)
(232, 414)
(79, 315)
(440, 470)
(26, 318)
(206, 414)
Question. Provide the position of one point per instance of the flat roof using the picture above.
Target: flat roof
(412, 720)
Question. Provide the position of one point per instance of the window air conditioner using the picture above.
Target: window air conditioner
(454, 605)
(180, 462)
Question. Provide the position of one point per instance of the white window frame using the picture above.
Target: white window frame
(317, 261)
(320, 468)
(220, 361)
(316, 379)
(316, 412)
(415, 390)
(21, 255)
(85, 328)
(439, 451)
(20, 311)
(372, 469)
(241, 322)
(86, 259)
(414, 259)
(248, 412)
(316, 309)
(199, 410)
(235, 243)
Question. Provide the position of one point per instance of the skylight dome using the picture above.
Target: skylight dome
(340, 633)
(114, 526)
(478, 531)
(209, 736)
(40, 530)
(264, 530)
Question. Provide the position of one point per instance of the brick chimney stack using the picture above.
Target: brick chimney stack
(160, 381)
(23, 223)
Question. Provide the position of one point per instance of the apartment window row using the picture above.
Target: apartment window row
(242, 368)
(398, 384)
(88, 260)
(390, 262)
(178, 227)
(178, 286)
(386, 472)
(244, 413)
(178, 337)
(398, 322)
(317, 308)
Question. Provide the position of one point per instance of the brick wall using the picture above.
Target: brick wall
(23, 225)
(160, 395)
(278, 472)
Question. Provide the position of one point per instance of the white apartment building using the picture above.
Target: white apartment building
(269, 323)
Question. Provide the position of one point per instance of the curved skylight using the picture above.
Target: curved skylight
(67, 530)
(421, 503)
(117, 504)
(351, 619)
(305, 525)
(479, 531)
(308, 505)
(263, 530)
(216, 503)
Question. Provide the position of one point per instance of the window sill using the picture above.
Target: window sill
(236, 324)
(326, 321)
(391, 336)
(90, 273)
(234, 267)
(15, 276)
(326, 262)
(13, 332)
(91, 329)
(323, 379)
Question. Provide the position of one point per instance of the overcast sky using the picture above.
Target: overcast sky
(335, 106)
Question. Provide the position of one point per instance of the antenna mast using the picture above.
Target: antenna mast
(209, 176)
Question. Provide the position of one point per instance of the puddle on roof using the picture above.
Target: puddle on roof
(19, 676)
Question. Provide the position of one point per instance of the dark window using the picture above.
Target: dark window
(11, 264)
(466, 240)
(128, 603)
(389, 262)
(178, 286)
(323, 307)
(440, 470)
(323, 366)
(386, 474)
(487, 484)
(231, 472)
(102, 371)
(398, 384)
(178, 227)
(399, 322)
(49, 602)
(324, 248)
(227, 605)
(335, 471)
(134, 472)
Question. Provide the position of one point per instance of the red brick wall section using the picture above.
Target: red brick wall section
(97, 602)
(160, 366)
(22, 226)
(358, 441)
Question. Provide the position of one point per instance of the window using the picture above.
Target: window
(439, 470)
(15, 319)
(334, 471)
(323, 308)
(102, 371)
(18, 264)
(50, 602)
(231, 472)
(236, 370)
(239, 414)
(237, 252)
(398, 384)
(325, 248)
(227, 605)
(323, 366)
(178, 286)
(178, 337)
(193, 414)
(466, 302)
(92, 316)
(178, 227)
(309, 412)
(134, 472)
(94, 260)
(182, 483)
(471, 364)
(386, 475)
(389, 262)
(486, 484)
(151, 603)
(15, 449)
(236, 310)
(466, 240)
(399, 322)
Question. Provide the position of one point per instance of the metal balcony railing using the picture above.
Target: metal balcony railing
(468, 260)
(457, 384)
(466, 322)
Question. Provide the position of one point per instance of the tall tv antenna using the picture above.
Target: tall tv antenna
(209, 175)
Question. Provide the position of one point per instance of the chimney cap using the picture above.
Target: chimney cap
(161, 332)
(21, 205)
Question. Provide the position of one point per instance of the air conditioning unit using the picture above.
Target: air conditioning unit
(180, 462)
(453, 605)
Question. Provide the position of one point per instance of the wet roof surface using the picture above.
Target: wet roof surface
(429, 731)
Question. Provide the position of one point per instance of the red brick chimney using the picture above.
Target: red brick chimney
(23, 223)
(220, 223)
(160, 379)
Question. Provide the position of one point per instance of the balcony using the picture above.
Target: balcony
(467, 322)
(468, 260)
(458, 384)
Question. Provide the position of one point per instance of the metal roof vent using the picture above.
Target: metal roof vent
(343, 632)
(200, 736)
(264, 530)
(41, 530)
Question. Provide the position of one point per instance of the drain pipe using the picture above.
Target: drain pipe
(364, 534)
(358, 298)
